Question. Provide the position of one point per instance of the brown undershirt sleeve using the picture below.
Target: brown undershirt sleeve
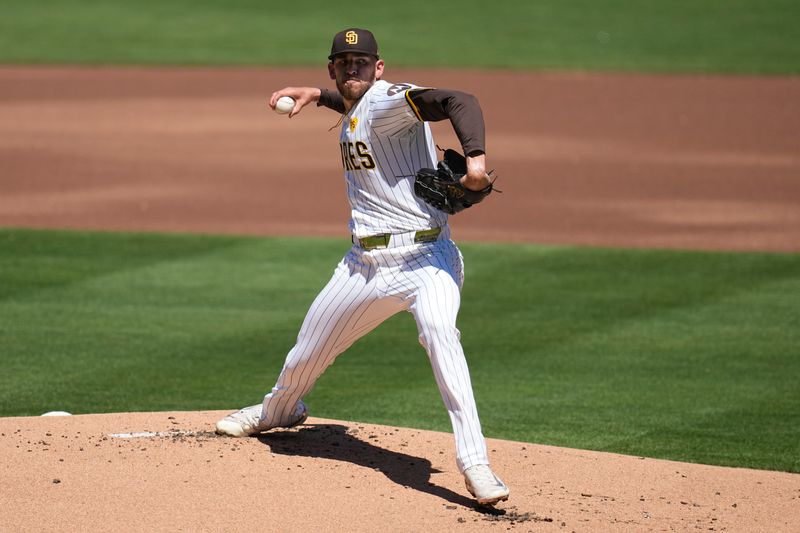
(331, 100)
(461, 108)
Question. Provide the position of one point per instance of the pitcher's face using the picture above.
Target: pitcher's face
(355, 73)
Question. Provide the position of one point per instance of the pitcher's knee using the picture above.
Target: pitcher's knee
(444, 334)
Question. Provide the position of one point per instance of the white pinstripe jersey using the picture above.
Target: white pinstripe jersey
(383, 143)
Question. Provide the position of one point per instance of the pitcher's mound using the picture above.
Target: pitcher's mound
(169, 471)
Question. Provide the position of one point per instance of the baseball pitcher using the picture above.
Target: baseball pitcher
(402, 258)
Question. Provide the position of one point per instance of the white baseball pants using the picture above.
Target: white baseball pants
(367, 288)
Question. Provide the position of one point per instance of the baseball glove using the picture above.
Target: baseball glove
(441, 187)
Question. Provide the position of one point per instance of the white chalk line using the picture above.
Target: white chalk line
(151, 434)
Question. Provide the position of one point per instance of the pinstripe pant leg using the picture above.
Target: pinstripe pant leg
(345, 310)
(435, 309)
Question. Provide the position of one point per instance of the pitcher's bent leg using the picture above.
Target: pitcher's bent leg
(435, 310)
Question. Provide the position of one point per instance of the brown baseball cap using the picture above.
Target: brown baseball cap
(354, 40)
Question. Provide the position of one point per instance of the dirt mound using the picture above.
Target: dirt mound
(169, 471)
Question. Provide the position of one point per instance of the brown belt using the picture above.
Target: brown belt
(381, 240)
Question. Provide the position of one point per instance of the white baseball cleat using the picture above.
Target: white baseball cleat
(247, 421)
(482, 483)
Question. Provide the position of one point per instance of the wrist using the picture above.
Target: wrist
(476, 183)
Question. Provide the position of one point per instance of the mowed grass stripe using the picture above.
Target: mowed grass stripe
(740, 36)
(675, 354)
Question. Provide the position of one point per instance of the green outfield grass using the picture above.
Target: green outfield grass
(739, 36)
(683, 355)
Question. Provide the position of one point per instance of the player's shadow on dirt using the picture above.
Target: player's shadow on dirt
(332, 441)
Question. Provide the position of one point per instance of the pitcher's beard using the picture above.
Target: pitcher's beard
(353, 92)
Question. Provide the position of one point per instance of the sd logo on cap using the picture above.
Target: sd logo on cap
(354, 40)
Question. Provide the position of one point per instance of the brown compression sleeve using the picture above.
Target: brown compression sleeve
(331, 100)
(462, 109)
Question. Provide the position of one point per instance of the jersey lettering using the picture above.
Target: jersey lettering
(397, 87)
(356, 156)
(343, 153)
(363, 153)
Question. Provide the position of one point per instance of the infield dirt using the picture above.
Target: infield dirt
(619, 160)
(170, 472)
(643, 161)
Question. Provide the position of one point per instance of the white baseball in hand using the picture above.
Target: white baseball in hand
(284, 105)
